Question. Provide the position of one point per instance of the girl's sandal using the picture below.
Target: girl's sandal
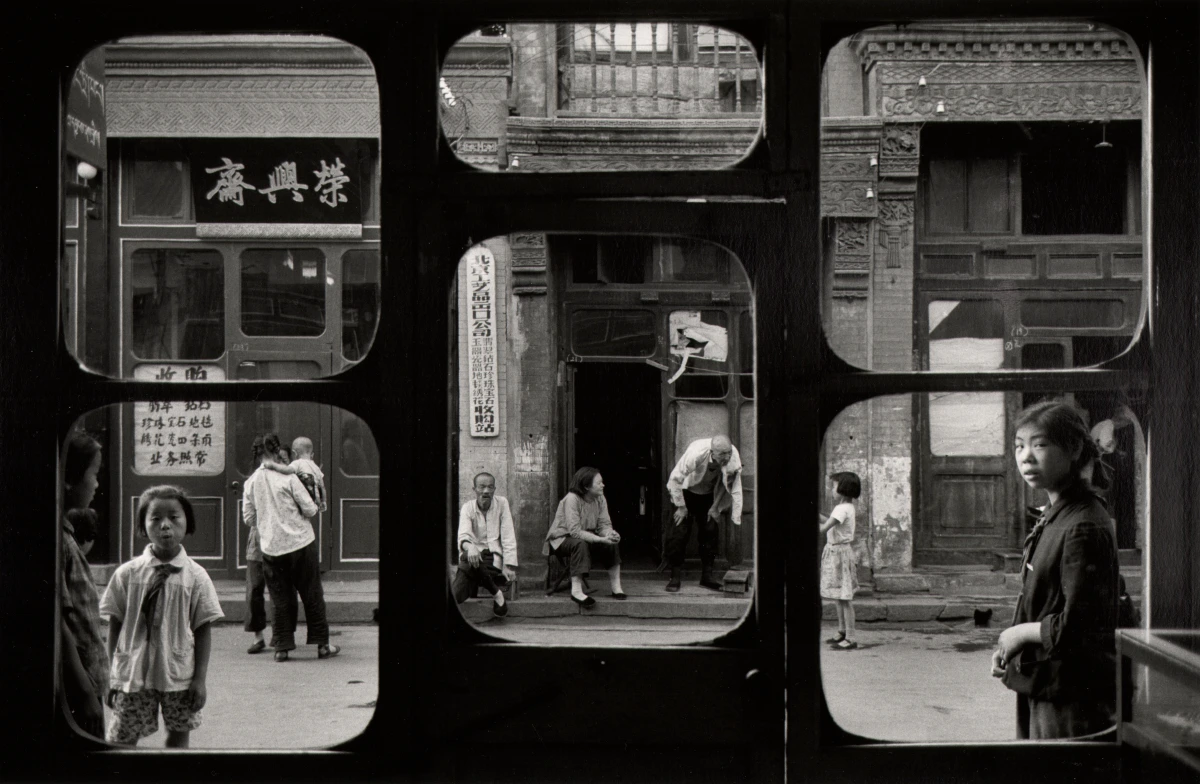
(835, 640)
(847, 645)
(327, 651)
(281, 656)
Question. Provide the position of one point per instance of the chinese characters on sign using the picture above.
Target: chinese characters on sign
(85, 132)
(231, 183)
(481, 342)
(277, 180)
(179, 438)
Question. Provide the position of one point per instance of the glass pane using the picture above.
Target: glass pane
(277, 370)
(158, 180)
(360, 302)
(988, 195)
(613, 333)
(684, 261)
(591, 376)
(283, 292)
(627, 95)
(746, 352)
(937, 558)
(947, 205)
(178, 304)
(238, 506)
(1077, 313)
(360, 455)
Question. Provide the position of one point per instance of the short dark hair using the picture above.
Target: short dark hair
(582, 481)
(83, 521)
(81, 451)
(1066, 426)
(475, 481)
(848, 484)
(165, 492)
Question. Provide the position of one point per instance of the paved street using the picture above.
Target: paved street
(257, 703)
(927, 683)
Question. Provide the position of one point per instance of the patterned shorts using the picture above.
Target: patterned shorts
(135, 714)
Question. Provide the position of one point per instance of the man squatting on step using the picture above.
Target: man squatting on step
(705, 483)
(487, 545)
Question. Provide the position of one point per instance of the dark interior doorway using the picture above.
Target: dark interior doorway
(618, 422)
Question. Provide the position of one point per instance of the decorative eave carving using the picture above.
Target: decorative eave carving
(848, 179)
(205, 86)
(1002, 71)
(607, 144)
(992, 41)
(852, 258)
(528, 262)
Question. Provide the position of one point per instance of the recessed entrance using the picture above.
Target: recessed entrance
(618, 424)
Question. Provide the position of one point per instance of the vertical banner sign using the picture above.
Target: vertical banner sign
(481, 342)
(178, 438)
(86, 136)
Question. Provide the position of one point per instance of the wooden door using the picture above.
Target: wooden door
(965, 501)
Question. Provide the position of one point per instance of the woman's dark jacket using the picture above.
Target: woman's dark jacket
(1070, 577)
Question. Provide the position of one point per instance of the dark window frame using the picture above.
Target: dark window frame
(808, 378)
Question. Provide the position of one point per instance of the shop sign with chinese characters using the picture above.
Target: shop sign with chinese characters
(86, 135)
(277, 180)
(178, 438)
(481, 342)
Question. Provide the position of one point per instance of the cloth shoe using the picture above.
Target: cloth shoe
(706, 579)
(673, 583)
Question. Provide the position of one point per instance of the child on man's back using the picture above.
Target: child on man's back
(305, 469)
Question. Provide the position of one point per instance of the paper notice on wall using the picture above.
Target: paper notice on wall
(693, 338)
(178, 438)
(481, 343)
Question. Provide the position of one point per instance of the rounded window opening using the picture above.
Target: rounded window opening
(256, 526)
(201, 226)
(626, 96)
(604, 459)
(930, 507)
(1004, 161)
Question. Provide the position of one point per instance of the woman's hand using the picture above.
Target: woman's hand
(614, 537)
(680, 514)
(998, 664)
(1014, 638)
(509, 573)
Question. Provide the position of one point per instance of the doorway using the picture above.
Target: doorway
(618, 429)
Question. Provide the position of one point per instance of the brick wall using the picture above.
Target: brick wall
(533, 448)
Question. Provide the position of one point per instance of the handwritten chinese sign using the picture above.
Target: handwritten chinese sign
(277, 180)
(179, 438)
(481, 342)
(86, 134)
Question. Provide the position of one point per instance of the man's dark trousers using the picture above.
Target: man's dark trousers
(706, 531)
(288, 574)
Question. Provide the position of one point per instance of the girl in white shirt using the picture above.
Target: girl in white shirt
(839, 573)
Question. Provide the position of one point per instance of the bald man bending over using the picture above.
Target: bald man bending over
(706, 482)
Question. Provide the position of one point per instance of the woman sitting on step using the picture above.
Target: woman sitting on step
(582, 532)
